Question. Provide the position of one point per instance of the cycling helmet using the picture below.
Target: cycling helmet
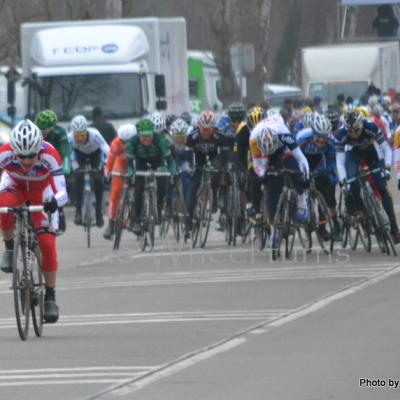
(333, 116)
(321, 126)
(372, 101)
(207, 119)
(46, 119)
(353, 119)
(254, 116)
(126, 132)
(275, 115)
(79, 123)
(179, 128)
(186, 117)
(236, 112)
(386, 101)
(363, 111)
(169, 119)
(26, 138)
(158, 121)
(268, 141)
(308, 119)
(145, 127)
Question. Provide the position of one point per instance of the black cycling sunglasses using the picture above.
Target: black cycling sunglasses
(24, 156)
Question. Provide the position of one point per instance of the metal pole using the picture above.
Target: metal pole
(344, 23)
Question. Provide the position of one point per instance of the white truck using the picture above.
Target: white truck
(128, 67)
(349, 68)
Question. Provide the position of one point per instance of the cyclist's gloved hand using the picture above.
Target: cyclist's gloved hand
(344, 185)
(387, 172)
(50, 206)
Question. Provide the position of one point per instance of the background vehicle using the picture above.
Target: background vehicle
(349, 68)
(120, 65)
(204, 82)
(276, 94)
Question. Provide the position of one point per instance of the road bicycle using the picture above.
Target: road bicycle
(149, 215)
(87, 202)
(285, 225)
(174, 214)
(125, 209)
(318, 220)
(27, 279)
(202, 213)
(376, 221)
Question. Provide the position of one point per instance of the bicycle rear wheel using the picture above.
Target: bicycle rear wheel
(21, 288)
(144, 237)
(178, 212)
(37, 299)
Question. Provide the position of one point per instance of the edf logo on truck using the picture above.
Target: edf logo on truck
(106, 48)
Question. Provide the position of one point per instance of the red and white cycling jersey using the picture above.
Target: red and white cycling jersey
(47, 171)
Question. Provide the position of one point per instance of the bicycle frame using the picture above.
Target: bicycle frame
(26, 280)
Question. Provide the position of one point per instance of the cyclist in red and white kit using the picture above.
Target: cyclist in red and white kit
(32, 171)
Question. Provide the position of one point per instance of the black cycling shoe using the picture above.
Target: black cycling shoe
(136, 228)
(7, 261)
(51, 312)
(99, 219)
(78, 217)
(324, 233)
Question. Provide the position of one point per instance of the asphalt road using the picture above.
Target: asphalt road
(218, 323)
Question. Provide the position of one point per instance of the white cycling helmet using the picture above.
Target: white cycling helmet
(321, 125)
(307, 119)
(275, 115)
(127, 132)
(158, 121)
(207, 119)
(26, 138)
(268, 141)
(179, 127)
(79, 123)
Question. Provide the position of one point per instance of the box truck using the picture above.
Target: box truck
(128, 67)
(204, 82)
(349, 69)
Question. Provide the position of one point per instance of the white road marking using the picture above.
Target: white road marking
(226, 344)
(166, 317)
(322, 271)
(74, 375)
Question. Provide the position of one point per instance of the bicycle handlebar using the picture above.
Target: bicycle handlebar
(364, 174)
(152, 173)
(8, 210)
(283, 171)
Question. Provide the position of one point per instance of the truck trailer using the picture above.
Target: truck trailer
(128, 67)
(349, 69)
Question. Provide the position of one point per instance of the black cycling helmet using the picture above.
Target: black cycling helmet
(353, 119)
(186, 117)
(254, 116)
(169, 119)
(333, 116)
(236, 112)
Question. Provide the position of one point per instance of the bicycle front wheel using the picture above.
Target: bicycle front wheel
(87, 217)
(122, 219)
(279, 227)
(21, 288)
(325, 223)
(37, 298)
(205, 217)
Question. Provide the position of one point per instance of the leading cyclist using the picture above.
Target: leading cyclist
(32, 171)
